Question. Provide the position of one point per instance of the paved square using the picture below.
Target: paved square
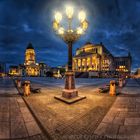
(62, 120)
(98, 117)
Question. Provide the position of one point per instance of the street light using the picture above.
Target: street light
(70, 36)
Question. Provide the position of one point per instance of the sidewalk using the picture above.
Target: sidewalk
(7, 87)
(132, 88)
(123, 119)
(16, 121)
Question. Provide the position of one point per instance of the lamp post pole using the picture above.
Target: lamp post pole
(70, 56)
(70, 36)
(69, 90)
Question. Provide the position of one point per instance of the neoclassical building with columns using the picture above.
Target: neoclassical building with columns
(95, 59)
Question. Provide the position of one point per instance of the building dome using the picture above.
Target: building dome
(30, 46)
(30, 55)
(88, 43)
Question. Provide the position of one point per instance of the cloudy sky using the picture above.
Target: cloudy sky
(116, 23)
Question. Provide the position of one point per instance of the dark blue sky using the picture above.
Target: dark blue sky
(116, 23)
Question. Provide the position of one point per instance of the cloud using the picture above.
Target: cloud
(113, 22)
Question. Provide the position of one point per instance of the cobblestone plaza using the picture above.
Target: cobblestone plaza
(42, 117)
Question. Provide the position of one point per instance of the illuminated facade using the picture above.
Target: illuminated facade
(123, 64)
(32, 68)
(138, 71)
(14, 71)
(98, 61)
(29, 55)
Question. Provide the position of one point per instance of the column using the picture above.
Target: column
(81, 64)
(90, 62)
(85, 64)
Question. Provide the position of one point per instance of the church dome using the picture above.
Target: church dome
(30, 46)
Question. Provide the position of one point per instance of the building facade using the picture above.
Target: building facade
(96, 60)
(137, 73)
(14, 70)
(42, 69)
(32, 68)
(123, 65)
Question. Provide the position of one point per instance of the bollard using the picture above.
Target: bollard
(112, 91)
(18, 83)
(121, 82)
(26, 88)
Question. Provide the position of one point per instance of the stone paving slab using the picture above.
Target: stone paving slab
(131, 90)
(135, 114)
(4, 116)
(16, 121)
(110, 131)
(4, 130)
(132, 121)
(123, 123)
(118, 121)
(7, 87)
(132, 87)
(32, 128)
(129, 132)
(18, 129)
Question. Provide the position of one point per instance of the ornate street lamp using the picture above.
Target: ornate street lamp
(69, 36)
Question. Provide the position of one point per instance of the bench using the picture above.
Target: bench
(35, 90)
(104, 89)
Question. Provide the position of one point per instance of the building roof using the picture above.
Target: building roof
(30, 46)
(87, 43)
(90, 46)
(86, 46)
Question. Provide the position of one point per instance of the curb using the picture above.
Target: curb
(34, 115)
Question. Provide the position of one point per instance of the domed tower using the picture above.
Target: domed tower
(29, 55)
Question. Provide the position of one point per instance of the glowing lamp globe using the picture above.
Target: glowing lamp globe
(69, 11)
(61, 31)
(82, 16)
(55, 25)
(84, 25)
(58, 17)
(79, 30)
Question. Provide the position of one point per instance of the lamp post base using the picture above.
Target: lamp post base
(70, 93)
(69, 100)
